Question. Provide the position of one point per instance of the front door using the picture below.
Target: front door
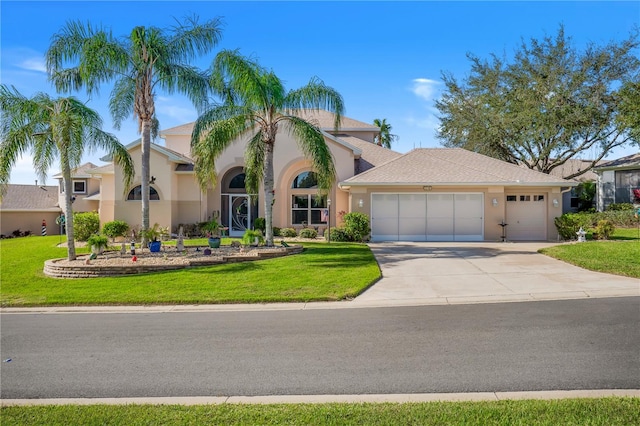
(240, 214)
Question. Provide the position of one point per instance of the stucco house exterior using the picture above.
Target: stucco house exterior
(427, 194)
(617, 180)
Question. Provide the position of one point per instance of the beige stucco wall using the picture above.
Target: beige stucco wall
(28, 221)
(92, 185)
(493, 215)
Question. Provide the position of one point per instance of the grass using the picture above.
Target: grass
(619, 256)
(321, 273)
(600, 411)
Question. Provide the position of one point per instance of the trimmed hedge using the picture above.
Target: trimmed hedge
(569, 223)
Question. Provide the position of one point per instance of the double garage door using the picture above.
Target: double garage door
(427, 217)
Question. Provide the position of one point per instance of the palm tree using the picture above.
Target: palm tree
(148, 59)
(62, 128)
(384, 138)
(255, 99)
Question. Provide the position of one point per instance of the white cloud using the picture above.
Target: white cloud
(425, 88)
(171, 108)
(33, 64)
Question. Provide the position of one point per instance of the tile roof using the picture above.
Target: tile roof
(30, 197)
(372, 155)
(629, 162)
(451, 166)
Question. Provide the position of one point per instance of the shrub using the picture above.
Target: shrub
(604, 229)
(308, 233)
(249, 237)
(98, 241)
(337, 235)
(619, 206)
(260, 224)
(288, 233)
(356, 225)
(115, 228)
(569, 223)
(85, 224)
(276, 231)
(621, 218)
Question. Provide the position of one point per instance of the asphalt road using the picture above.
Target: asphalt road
(557, 345)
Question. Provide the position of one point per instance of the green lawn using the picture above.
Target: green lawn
(620, 256)
(601, 411)
(321, 273)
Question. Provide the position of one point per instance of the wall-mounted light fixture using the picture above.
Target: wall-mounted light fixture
(555, 202)
(494, 202)
(153, 180)
(361, 203)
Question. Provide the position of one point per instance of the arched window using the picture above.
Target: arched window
(307, 207)
(136, 194)
(305, 180)
(237, 182)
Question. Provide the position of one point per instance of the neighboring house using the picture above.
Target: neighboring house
(25, 207)
(570, 200)
(85, 189)
(617, 180)
(427, 194)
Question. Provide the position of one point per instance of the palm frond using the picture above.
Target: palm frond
(185, 79)
(210, 138)
(315, 95)
(122, 100)
(243, 77)
(254, 163)
(312, 144)
(190, 39)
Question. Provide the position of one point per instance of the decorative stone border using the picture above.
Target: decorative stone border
(54, 269)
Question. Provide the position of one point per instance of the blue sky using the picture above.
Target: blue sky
(385, 58)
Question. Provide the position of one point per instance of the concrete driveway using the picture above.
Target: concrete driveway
(449, 273)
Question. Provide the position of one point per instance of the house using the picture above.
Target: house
(617, 180)
(85, 189)
(570, 199)
(426, 194)
(24, 208)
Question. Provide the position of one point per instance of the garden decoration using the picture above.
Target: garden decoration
(180, 242)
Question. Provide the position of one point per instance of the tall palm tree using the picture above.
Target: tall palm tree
(384, 138)
(148, 59)
(256, 104)
(62, 128)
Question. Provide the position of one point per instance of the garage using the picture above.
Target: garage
(527, 217)
(427, 217)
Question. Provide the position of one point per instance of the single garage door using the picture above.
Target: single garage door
(527, 217)
(427, 217)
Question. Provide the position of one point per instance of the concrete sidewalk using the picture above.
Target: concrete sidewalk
(455, 273)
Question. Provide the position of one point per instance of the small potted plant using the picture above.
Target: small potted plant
(151, 235)
(97, 243)
(212, 231)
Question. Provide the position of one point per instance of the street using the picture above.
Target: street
(555, 345)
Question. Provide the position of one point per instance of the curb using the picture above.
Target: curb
(324, 399)
(353, 304)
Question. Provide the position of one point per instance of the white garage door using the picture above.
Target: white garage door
(526, 217)
(427, 217)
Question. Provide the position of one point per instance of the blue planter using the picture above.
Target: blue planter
(214, 242)
(154, 246)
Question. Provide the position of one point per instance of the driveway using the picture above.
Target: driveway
(449, 273)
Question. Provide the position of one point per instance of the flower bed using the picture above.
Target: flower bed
(114, 263)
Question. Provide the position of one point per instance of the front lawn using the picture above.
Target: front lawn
(601, 411)
(321, 273)
(620, 256)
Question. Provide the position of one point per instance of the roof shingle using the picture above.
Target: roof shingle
(30, 197)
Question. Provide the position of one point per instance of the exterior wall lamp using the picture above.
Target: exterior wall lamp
(361, 203)
(494, 202)
(555, 202)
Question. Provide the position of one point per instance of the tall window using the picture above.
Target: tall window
(307, 207)
(136, 194)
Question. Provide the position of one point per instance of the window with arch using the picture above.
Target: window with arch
(136, 194)
(307, 206)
